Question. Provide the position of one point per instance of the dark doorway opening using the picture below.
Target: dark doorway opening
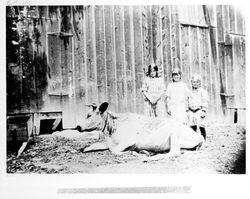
(47, 126)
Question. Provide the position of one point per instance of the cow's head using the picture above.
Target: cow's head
(95, 118)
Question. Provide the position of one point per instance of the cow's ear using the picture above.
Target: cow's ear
(103, 107)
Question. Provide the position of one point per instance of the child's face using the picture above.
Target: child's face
(153, 73)
(195, 84)
(176, 77)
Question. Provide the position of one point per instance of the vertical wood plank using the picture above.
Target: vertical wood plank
(226, 21)
(236, 74)
(220, 24)
(207, 62)
(124, 62)
(242, 114)
(40, 56)
(222, 77)
(79, 62)
(214, 95)
(243, 68)
(221, 60)
(119, 49)
(79, 54)
(110, 58)
(54, 63)
(185, 49)
(173, 37)
(166, 44)
(146, 36)
(66, 64)
(54, 59)
(199, 38)
(67, 68)
(91, 70)
(128, 60)
(216, 112)
(229, 80)
(239, 23)
(211, 15)
(138, 57)
(206, 68)
(178, 39)
(156, 35)
(231, 19)
(100, 54)
(150, 33)
(85, 54)
(53, 23)
(203, 67)
(26, 59)
(194, 50)
(239, 70)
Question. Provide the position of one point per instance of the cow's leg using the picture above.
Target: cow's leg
(121, 149)
(175, 145)
(99, 146)
(175, 149)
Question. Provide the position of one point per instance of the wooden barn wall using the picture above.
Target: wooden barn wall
(85, 54)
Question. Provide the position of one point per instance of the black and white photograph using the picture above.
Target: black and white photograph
(145, 89)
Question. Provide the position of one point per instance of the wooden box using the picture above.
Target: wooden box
(19, 128)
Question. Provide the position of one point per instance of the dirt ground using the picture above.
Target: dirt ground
(224, 153)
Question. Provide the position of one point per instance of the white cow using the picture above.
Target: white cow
(140, 133)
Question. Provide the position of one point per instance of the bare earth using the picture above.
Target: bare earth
(61, 153)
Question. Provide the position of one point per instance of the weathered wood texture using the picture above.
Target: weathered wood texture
(84, 54)
(138, 57)
(79, 57)
(120, 55)
(166, 43)
(110, 58)
(129, 59)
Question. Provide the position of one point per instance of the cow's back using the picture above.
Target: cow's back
(151, 134)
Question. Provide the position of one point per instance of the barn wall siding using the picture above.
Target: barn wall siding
(84, 54)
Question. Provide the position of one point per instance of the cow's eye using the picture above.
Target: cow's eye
(88, 116)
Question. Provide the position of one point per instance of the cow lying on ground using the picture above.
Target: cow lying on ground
(140, 133)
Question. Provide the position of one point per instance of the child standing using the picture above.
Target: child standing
(153, 90)
(176, 98)
(197, 106)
